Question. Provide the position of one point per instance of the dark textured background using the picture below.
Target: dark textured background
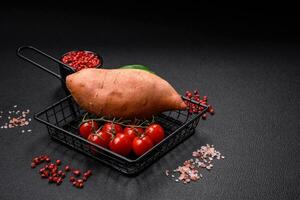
(246, 61)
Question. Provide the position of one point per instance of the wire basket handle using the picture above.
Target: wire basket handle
(19, 53)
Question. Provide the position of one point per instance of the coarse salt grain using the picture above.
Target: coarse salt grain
(15, 119)
(190, 169)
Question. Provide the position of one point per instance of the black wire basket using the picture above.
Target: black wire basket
(63, 118)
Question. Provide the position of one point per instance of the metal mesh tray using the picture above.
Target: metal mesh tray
(63, 118)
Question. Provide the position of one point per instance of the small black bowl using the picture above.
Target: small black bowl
(66, 70)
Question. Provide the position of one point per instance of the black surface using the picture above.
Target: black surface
(247, 64)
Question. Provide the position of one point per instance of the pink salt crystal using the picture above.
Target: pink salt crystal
(167, 172)
(196, 154)
(209, 167)
(194, 177)
(182, 176)
(202, 165)
(185, 168)
(204, 158)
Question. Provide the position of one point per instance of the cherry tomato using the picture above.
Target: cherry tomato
(101, 138)
(87, 128)
(121, 144)
(112, 128)
(132, 132)
(155, 132)
(141, 144)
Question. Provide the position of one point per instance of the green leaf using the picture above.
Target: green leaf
(135, 66)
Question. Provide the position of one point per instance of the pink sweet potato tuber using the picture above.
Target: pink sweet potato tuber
(126, 93)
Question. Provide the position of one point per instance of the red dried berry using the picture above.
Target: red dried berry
(59, 181)
(51, 166)
(47, 159)
(42, 170)
(204, 116)
(33, 165)
(67, 168)
(45, 174)
(55, 179)
(86, 174)
(50, 179)
(58, 162)
(76, 172)
(36, 160)
(72, 179)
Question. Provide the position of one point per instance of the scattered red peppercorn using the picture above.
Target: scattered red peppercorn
(86, 174)
(36, 160)
(58, 162)
(50, 179)
(51, 166)
(33, 165)
(47, 159)
(54, 174)
(54, 179)
(42, 170)
(67, 168)
(193, 108)
(72, 179)
(45, 175)
(76, 172)
(59, 181)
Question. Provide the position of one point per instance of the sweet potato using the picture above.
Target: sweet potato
(125, 93)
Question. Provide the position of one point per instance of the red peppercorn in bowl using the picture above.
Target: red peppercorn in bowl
(79, 60)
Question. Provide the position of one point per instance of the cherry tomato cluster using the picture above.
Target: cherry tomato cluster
(121, 140)
(81, 59)
(193, 108)
(52, 172)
